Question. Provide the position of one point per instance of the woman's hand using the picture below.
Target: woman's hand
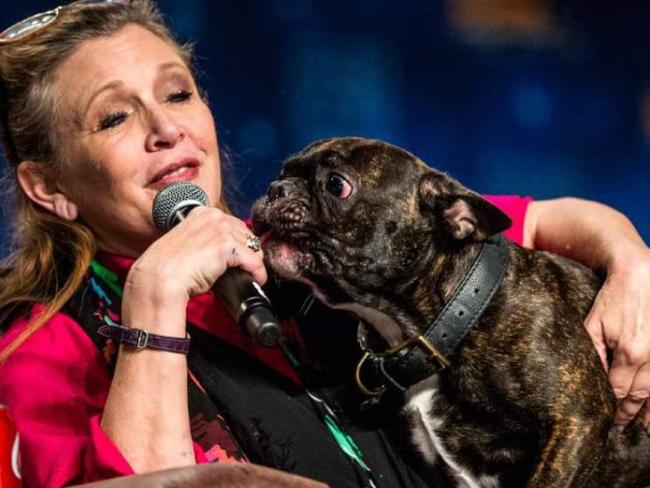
(620, 320)
(188, 259)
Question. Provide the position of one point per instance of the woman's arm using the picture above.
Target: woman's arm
(146, 413)
(604, 239)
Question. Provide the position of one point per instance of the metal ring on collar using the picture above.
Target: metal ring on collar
(357, 376)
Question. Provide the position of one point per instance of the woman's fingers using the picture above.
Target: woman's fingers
(620, 321)
(630, 375)
(636, 397)
(196, 252)
(596, 332)
(250, 260)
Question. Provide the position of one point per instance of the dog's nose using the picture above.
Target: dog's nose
(278, 189)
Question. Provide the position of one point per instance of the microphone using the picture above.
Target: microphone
(243, 297)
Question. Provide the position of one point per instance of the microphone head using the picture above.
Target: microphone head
(175, 201)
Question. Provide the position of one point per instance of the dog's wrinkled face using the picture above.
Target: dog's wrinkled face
(356, 216)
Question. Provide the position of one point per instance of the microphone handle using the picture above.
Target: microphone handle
(250, 307)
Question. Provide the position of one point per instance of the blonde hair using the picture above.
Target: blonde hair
(51, 256)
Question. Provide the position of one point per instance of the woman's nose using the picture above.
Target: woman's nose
(164, 131)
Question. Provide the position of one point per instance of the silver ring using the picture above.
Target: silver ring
(253, 243)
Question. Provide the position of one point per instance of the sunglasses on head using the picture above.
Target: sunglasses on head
(35, 23)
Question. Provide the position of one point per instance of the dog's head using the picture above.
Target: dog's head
(358, 217)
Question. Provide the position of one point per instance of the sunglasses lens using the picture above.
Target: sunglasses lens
(29, 25)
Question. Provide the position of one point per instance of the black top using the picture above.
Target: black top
(274, 421)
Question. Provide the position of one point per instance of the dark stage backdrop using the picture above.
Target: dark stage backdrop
(528, 97)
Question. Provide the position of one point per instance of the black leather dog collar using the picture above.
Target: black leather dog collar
(425, 355)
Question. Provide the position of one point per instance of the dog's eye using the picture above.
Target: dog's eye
(338, 186)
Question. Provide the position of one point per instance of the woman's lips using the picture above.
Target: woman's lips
(183, 172)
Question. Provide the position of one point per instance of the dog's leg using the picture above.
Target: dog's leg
(569, 458)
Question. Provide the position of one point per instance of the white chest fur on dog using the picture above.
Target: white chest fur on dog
(425, 437)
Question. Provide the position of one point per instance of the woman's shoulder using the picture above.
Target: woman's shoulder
(58, 351)
(60, 330)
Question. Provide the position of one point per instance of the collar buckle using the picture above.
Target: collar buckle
(415, 341)
(424, 343)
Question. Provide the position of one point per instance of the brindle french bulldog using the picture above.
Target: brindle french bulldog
(525, 401)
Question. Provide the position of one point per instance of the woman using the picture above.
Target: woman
(99, 111)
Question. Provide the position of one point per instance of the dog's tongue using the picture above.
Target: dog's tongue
(265, 237)
(285, 259)
(286, 251)
(278, 249)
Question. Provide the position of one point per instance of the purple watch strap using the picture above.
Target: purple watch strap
(142, 339)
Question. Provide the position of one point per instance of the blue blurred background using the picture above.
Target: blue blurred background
(534, 97)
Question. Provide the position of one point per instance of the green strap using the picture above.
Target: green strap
(107, 276)
(345, 442)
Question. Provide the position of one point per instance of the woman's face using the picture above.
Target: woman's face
(134, 122)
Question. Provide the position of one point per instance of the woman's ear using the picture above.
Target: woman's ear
(32, 180)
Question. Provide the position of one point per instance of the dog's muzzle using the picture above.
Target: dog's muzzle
(282, 189)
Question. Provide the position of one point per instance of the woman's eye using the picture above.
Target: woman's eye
(112, 120)
(179, 96)
(338, 186)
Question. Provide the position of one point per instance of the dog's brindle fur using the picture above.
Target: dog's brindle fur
(526, 401)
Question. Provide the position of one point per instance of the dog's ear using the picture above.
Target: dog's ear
(465, 214)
